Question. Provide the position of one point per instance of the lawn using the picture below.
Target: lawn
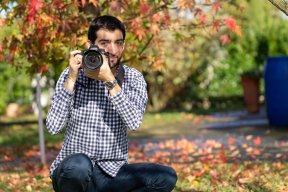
(201, 164)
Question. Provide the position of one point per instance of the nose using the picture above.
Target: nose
(112, 48)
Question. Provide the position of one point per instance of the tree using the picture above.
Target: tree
(44, 31)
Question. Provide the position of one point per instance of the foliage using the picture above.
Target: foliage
(62, 26)
(15, 87)
(262, 28)
(261, 24)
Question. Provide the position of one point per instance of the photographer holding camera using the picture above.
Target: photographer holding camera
(97, 99)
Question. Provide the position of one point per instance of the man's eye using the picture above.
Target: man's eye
(120, 43)
(103, 43)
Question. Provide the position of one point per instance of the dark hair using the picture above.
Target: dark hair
(104, 22)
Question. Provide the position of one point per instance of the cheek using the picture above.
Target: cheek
(120, 52)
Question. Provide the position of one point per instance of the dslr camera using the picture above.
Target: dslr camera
(92, 59)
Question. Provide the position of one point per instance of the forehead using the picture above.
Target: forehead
(105, 34)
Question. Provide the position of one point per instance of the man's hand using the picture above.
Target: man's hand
(75, 63)
(104, 73)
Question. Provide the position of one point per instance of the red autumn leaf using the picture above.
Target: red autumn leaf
(144, 8)
(230, 23)
(83, 2)
(256, 152)
(156, 18)
(167, 17)
(8, 158)
(59, 4)
(197, 120)
(136, 26)
(115, 6)
(213, 173)
(197, 11)
(257, 141)
(43, 68)
(231, 141)
(224, 39)
(33, 8)
(198, 173)
(31, 153)
(216, 25)
(202, 18)
(216, 6)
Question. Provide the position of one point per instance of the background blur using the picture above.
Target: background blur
(187, 66)
(195, 55)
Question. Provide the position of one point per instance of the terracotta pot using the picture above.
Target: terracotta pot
(251, 90)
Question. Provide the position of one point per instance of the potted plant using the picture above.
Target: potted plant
(250, 79)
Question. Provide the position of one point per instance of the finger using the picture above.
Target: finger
(74, 53)
(105, 59)
(78, 60)
(76, 57)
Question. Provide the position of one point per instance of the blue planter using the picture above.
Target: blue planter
(276, 90)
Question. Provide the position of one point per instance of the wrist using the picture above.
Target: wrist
(71, 79)
(110, 84)
(109, 78)
(115, 90)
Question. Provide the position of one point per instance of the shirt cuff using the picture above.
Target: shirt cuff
(65, 94)
(118, 99)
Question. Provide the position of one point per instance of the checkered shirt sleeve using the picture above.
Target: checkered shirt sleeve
(131, 107)
(60, 108)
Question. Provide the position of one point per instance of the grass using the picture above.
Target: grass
(210, 166)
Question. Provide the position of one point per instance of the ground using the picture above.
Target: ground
(231, 151)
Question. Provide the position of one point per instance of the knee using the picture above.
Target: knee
(166, 180)
(77, 168)
(170, 178)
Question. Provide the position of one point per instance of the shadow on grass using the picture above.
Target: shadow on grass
(25, 135)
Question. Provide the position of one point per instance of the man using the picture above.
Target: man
(97, 111)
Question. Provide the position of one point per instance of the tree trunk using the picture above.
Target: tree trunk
(40, 120)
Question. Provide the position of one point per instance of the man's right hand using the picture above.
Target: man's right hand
(75, 63)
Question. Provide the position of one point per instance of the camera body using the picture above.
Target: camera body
(92, 59)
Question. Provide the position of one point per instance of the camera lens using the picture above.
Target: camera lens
(93, 60)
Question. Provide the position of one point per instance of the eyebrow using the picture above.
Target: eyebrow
(106, 40)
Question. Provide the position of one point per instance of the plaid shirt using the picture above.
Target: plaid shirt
(96, 123)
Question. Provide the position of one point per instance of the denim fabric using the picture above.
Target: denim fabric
(77, 174)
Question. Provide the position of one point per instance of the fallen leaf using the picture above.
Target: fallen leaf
(249, 137)
(257, 141)
(245, 180)
(231, 140)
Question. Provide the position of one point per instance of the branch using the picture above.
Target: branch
(139, 54)
(282, 7)
(155, 10)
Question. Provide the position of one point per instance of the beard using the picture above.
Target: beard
(114, 64)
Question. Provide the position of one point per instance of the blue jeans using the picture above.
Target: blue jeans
(77, 174)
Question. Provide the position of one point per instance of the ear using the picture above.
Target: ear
(88, 44)
(124, 45)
